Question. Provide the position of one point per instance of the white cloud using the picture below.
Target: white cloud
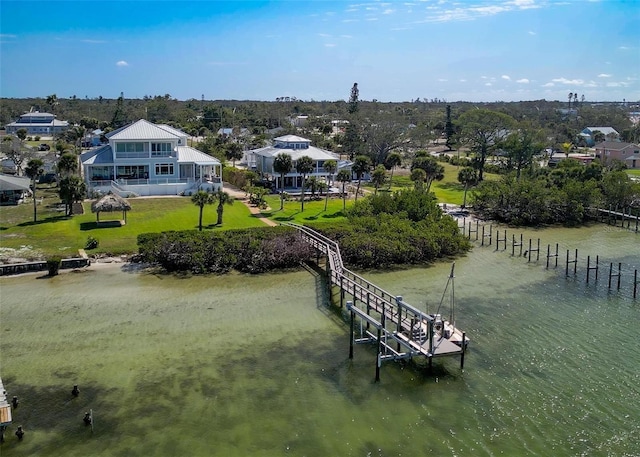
(442, 80)
(388, 11)
(617, 84)
(122, 63)
(531, 32)
(523, 81)
(346, 36)
(548, 85)
(324, 35)
(604, 75)
(330, 45)
(573, 82)
(463, 80)
(488, 84)
(506, 77)
(624, 48)
(93, 41)
(7, 35)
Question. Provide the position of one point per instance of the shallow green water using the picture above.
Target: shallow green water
(258, 365)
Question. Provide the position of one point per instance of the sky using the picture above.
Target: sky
(465, 50)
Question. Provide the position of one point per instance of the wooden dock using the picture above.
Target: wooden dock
(5, 410)
(400, 330)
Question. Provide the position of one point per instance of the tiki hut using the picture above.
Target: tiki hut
(110, 203)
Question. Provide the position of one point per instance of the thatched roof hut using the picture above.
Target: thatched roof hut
(110, 203)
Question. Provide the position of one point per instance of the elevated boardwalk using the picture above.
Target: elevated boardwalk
(400, 330)
(5, 411)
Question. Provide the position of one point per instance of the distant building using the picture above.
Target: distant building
(13, 189)
(589, 134)
(37, 123)
(628, 153)
(296, 147)
(150, 159)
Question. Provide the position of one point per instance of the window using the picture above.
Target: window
(161, 149)
(130, 150)
(164, 169)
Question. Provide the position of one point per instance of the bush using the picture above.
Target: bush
(36, 138)
(91, 243)
(53, 265)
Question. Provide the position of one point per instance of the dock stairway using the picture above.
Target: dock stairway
(400, 330)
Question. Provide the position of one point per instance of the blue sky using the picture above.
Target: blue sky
(476, 50)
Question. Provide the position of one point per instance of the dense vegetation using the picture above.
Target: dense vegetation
(406, 227)
(560, 195)
(251, 250)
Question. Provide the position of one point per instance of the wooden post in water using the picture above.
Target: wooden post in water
(351, 326)
(635, 282)
(498, 240)
(368, 307)
(464, 348)
(574, 262)
(378, 359)
(612, 275)
(514, 244)
(552, 255)
(589, 267)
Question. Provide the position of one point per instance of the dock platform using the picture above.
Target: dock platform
(400, 330)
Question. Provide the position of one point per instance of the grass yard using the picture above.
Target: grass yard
(55, 233)
(313, 210)
(634, 172)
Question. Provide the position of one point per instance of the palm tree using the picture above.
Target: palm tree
(282, 164)
(467, 176)
(433, 170)
(304, 166)
(344, 176)
(418, 176)
(223, 199)
(570, 98)
(393, 160)
(233, 152)
(361, 165)
(330, 166)
(35, 169)
(567, 147)
(71, 189)
(313, 185)
(67, 164)
(200, 199)
(378, 177)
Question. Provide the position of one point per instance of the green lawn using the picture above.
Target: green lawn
(634, 172)
(55, 233)
(313, 210)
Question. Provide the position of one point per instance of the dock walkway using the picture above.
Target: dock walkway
(400, 330)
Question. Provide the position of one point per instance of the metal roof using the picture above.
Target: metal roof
(173, 130)
(292, 139)
(100, 155)
(311, 151)
(8, 182)
(187, 154)
(143, 130)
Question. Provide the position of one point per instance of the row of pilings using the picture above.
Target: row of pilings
(618, 276)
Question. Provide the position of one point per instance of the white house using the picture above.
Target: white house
(37, 123)
(149, 159)
(296, 147)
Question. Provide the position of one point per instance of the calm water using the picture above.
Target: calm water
(258, 365)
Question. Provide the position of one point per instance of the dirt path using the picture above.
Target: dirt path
(241, 195)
